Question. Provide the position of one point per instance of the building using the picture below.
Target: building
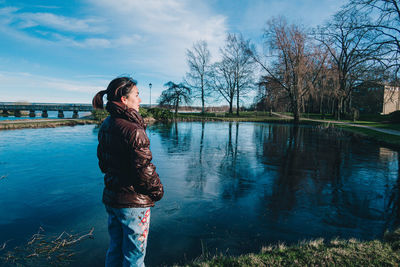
(391, 99)
(375, 98)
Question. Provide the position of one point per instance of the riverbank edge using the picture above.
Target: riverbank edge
(17, 124)
(318, 252)
(384, 139)
(52, 123)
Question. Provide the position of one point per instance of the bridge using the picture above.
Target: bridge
(43, 107)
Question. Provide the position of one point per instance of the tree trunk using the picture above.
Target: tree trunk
(202, 103)
(339, 108)
(237, 103)
(176, 107)
(202, 97)
(231, 105)
(296, 111)
(350, 102)
(321, 101)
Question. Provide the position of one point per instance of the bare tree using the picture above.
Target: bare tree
(386, 25)
(270, 95)
(326, 87)
(234, 53)
(223, 79)
(198, 59)
(352, 49)
(293, 66)
(174, 95)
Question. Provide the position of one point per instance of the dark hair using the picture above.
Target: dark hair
(117, 88)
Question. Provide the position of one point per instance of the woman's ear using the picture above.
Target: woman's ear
(124, 100)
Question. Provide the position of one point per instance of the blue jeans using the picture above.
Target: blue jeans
(128, 229)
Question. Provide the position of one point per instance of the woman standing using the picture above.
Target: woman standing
(131, 182)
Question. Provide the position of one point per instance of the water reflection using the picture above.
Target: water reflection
(393, 201)
(197, 179)
(321, 177)
(174, 140)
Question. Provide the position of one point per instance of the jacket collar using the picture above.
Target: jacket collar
(118, 109)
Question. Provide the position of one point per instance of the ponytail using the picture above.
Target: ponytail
(117, 88)
(97, 101)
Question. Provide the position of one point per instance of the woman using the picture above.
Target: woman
(131, 182)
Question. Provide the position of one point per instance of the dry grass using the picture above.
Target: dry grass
(336, 252)
(42, 250)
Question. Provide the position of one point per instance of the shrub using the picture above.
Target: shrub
(374, 117)
(395, 116)
(160, 114)
(353, 115)
(157, 113)
(144, 112)
(227, 114)
(99, 114)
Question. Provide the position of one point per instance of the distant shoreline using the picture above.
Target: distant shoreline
(50, 123)
(42, 123)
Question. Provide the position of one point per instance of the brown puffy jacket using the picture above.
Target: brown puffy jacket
(124, 156)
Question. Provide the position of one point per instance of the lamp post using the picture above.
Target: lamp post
(150, 85)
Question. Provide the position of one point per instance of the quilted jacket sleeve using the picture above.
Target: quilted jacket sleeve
(148, 182)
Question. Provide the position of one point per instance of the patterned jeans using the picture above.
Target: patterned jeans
(128, 229)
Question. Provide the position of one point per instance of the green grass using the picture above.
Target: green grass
(244, 116)
(390, 126)
(374, 117)
(373, 120)
(318, 252)
(382, 138)
(315, 116)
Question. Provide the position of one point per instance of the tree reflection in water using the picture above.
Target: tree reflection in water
(174, 142)
(393, 205)
(319, 176)
(196, 176)
(235, 175)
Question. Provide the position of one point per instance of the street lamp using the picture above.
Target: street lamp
(150, 85)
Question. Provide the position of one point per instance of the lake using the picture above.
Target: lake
(229, 187)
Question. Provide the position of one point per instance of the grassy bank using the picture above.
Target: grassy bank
(244, 116)
(318, 252)
(385, 139)
(39, 123)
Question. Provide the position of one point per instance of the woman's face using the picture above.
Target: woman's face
(132, 100)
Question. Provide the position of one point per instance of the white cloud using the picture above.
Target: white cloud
(57, 22)
(39, 88)
(167, 28)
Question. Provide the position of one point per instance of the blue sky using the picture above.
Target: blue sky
(66, 51)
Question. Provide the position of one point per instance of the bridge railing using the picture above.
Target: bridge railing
(45, 106)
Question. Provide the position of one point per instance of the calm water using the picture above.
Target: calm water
(229, 188)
